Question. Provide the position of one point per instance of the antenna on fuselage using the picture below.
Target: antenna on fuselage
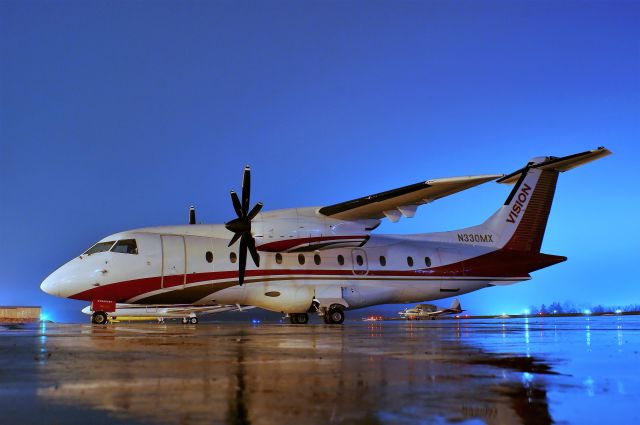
(192, 215)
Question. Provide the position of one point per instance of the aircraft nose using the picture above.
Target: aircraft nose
(50, 285)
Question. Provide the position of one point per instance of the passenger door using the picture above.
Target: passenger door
(173, 261)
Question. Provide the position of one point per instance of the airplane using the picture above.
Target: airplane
(323, 260)
(188, 313)
(430, 311)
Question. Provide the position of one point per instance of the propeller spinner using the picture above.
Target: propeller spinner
(241, 226)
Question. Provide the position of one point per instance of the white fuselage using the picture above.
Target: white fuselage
(192, 264)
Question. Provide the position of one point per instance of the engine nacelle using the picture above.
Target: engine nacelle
(273, 229)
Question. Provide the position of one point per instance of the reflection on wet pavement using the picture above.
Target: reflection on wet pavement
(528, 371)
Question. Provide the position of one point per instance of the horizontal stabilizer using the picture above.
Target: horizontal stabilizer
(561, 164)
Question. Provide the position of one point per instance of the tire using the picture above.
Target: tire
(99, 318)
(298, 318)
(334, 316)
(193, 320)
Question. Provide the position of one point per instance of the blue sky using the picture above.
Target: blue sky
(117, 115)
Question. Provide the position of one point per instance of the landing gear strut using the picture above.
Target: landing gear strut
(334, 316)
(299, 318)
(99, 318)
(187, 320)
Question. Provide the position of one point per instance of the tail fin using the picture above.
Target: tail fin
(520, 223)
(455, 305)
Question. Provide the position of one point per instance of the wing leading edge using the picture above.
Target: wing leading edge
(403, 201)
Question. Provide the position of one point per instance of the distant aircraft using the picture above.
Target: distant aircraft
(188, 313)
(323, 260)
(430, 311)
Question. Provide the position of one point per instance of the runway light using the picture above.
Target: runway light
(255, 321)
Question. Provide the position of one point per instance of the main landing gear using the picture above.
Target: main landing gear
(191, 320)
(99, 318)
(334, 316)
(299, 318)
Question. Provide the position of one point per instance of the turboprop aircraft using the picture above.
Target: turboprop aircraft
(326, 259)
(430, 311)
(188, 313)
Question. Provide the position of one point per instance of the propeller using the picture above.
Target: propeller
(241, 226)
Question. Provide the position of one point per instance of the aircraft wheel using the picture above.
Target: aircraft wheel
(193, 320)
(99, 318)
(298, 318)
(334, 315)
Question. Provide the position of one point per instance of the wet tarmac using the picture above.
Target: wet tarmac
(514, 371)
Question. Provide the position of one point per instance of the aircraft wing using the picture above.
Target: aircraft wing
(403, 201)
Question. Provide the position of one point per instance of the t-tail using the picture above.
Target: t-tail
(517, 228)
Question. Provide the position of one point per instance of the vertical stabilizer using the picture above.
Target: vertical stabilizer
(521, 222)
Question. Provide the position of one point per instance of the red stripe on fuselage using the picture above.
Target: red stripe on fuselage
(501, 263)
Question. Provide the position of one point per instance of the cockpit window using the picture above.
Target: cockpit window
(125, 246)
(99, 247)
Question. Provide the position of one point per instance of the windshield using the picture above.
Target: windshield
(99, 247)
(125, 246)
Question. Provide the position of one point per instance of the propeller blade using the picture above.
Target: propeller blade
(246, 190)
(254, 211)
(242, 260)
(235, 238)
(236, 203)
(251, 244)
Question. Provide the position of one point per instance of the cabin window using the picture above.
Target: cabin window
(209, 257)
(317, 259)
(427, 261)
(383, 261)
(410, 261)
(279, 258)
(301, 259)
(359, 260)
(233, 257)
(125, 246)
(99, 247)
(341, 260)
